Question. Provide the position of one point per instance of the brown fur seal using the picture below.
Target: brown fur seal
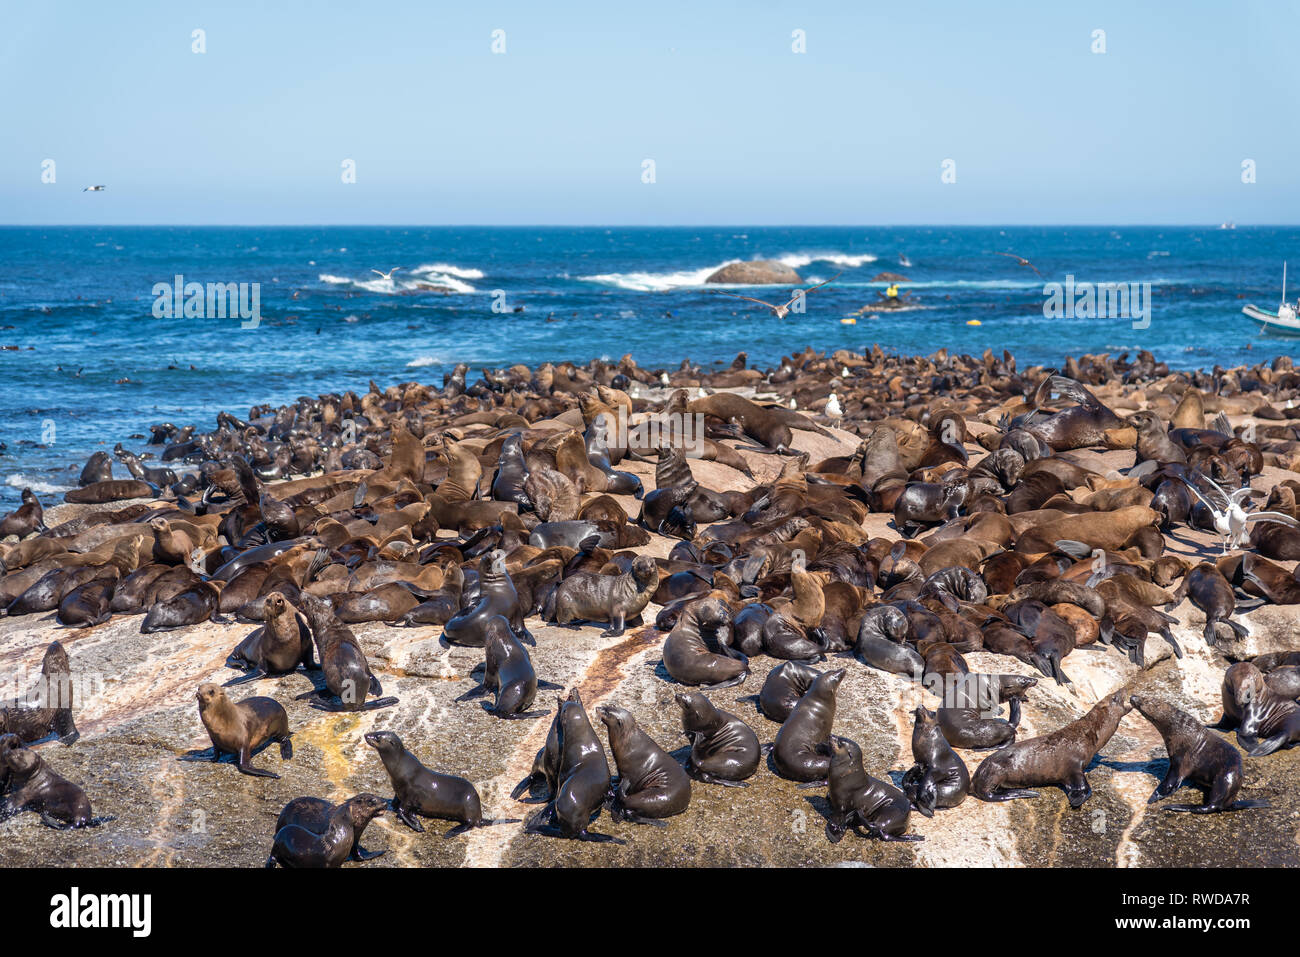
(497, 596)
(651, 784)
(419, 791)
(242, 727)
(1057, 758)
(1265, 720)
(1197, 757)
(276, 648)
(27, 518)
(784, 686)
(33, 786)
(581, 780)
(312, 832)
(47, 707)
(797, 753)
(939, 778)
(871, 807)
(198, 603)
(613, 598)
(687, 657)
(116, 490)
(1211, 593)
(347, 672)
(724, 749)
(507, 672)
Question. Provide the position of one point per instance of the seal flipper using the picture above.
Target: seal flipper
(406, 817)
(359, 853)
(1267, 745)
(1008, 794)
(251, 675)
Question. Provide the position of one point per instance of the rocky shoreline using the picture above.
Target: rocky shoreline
(174, 813)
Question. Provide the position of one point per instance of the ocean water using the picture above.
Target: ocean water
(95, 365)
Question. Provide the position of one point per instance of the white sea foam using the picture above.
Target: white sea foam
(435, 274)
(847, 260)
(419, 362)
(689, 278)
(19, 480)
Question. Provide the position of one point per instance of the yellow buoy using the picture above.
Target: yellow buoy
(850, 321)
(973, 322)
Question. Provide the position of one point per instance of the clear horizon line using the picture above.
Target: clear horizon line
(1131, 225)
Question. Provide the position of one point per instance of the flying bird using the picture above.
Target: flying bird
(782, 310)
(387, 275)
(1020, 261)
(1230, 518)
(93, 189)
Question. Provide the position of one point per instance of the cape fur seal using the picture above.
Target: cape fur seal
(47, 707)
(724, 749)
(871, 807)
(312, 832)
(651, 785)
(1057, 758)
(243, 727)
(420, 791)
(1197, 757)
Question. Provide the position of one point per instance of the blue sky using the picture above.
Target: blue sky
(741, 129)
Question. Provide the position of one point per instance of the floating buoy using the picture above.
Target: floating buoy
(849, 321)
(973, 322)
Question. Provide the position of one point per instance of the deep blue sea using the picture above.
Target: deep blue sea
(78, 302)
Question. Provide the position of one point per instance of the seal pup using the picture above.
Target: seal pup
(873, 808)
(417, 790)
(687, 656)
(784, 686)
(612, 598)
(1197, 757)
(34, 786)
(312, 832)
(508, 672)
(242, 727)
(277, 647)
(1057, 758)
(651, 785)
(724, 749)
(47, 707)
(581, 780)
(796, 753)
(343, 662)
(939, 778)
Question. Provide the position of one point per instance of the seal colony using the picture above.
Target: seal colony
(972, 511)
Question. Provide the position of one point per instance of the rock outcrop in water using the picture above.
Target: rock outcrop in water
(756, 272)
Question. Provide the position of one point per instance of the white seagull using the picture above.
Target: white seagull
(1230, 518)
(93, 189)
(386, 275)
(782, 310)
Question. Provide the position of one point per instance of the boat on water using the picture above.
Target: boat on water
(1283, 321)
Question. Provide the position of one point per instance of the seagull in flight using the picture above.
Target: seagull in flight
(387, 275)
(94, 189)
(782, 310)
(1230, 518)
(1020, 261)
